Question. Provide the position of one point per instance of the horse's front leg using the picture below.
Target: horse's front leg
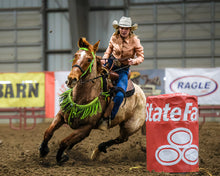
(77, 136)
(57, 123)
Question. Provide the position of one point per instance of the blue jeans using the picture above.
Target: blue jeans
(122, 82)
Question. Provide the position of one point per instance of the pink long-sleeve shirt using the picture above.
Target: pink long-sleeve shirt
(125, 48)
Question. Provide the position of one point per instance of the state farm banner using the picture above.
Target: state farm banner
(172, 133)
(201, 82)
(22, 89)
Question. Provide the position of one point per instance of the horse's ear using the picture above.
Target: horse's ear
(83, 43)
(96, 46)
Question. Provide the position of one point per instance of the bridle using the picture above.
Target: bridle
(90, 68)
(78, 66)
(90, 65)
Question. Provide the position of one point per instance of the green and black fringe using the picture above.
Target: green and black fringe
(78, 111)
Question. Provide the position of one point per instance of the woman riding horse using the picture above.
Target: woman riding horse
(123, 47)
(83, 104)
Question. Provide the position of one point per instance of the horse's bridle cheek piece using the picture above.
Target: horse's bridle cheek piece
(79, 68)
(90, 66)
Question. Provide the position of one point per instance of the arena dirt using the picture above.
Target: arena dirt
(19, 153)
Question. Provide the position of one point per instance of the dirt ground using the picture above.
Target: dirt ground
(19, 153)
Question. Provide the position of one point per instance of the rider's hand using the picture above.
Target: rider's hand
(104, 61)
(131, 62)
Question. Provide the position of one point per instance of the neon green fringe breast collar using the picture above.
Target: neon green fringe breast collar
(78, 111)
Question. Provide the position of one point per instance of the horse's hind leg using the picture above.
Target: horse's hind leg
(123, 137)
(57, 123)
(126, 129)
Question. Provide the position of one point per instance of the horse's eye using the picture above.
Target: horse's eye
(89, 60)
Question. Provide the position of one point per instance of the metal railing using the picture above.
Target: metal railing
(22, 115)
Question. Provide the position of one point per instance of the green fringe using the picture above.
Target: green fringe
(75, 110)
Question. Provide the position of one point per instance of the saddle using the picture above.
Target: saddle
(109, 76)
(113, 77)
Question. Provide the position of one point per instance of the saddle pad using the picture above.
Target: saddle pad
(130, 89)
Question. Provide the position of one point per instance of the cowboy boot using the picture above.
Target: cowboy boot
(106, 120)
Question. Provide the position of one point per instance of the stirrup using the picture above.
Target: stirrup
(105, 123)
(109, 121)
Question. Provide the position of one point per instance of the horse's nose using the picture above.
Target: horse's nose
(70, 82)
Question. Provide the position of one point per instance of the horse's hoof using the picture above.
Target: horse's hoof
(44, 151)
(102, 147)
(95, 154)
(63, 159)
(143, 149)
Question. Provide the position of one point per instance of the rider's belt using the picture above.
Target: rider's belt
(117, 63)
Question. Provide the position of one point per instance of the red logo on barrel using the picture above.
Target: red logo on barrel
(172, 133)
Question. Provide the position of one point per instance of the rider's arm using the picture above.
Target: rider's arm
(108, 51)
(139, 51)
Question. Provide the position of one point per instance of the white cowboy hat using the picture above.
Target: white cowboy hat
(124, 22)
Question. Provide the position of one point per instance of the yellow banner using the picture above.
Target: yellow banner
(22, 89)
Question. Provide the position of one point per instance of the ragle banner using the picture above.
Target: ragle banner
(201, 82)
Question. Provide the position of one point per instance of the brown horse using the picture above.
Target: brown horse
(83, 104)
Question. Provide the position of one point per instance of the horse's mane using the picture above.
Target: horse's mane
(99, 64)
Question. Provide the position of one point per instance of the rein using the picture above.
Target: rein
(87, 110)
(75, 110)
(106, 74)
(90, 68)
